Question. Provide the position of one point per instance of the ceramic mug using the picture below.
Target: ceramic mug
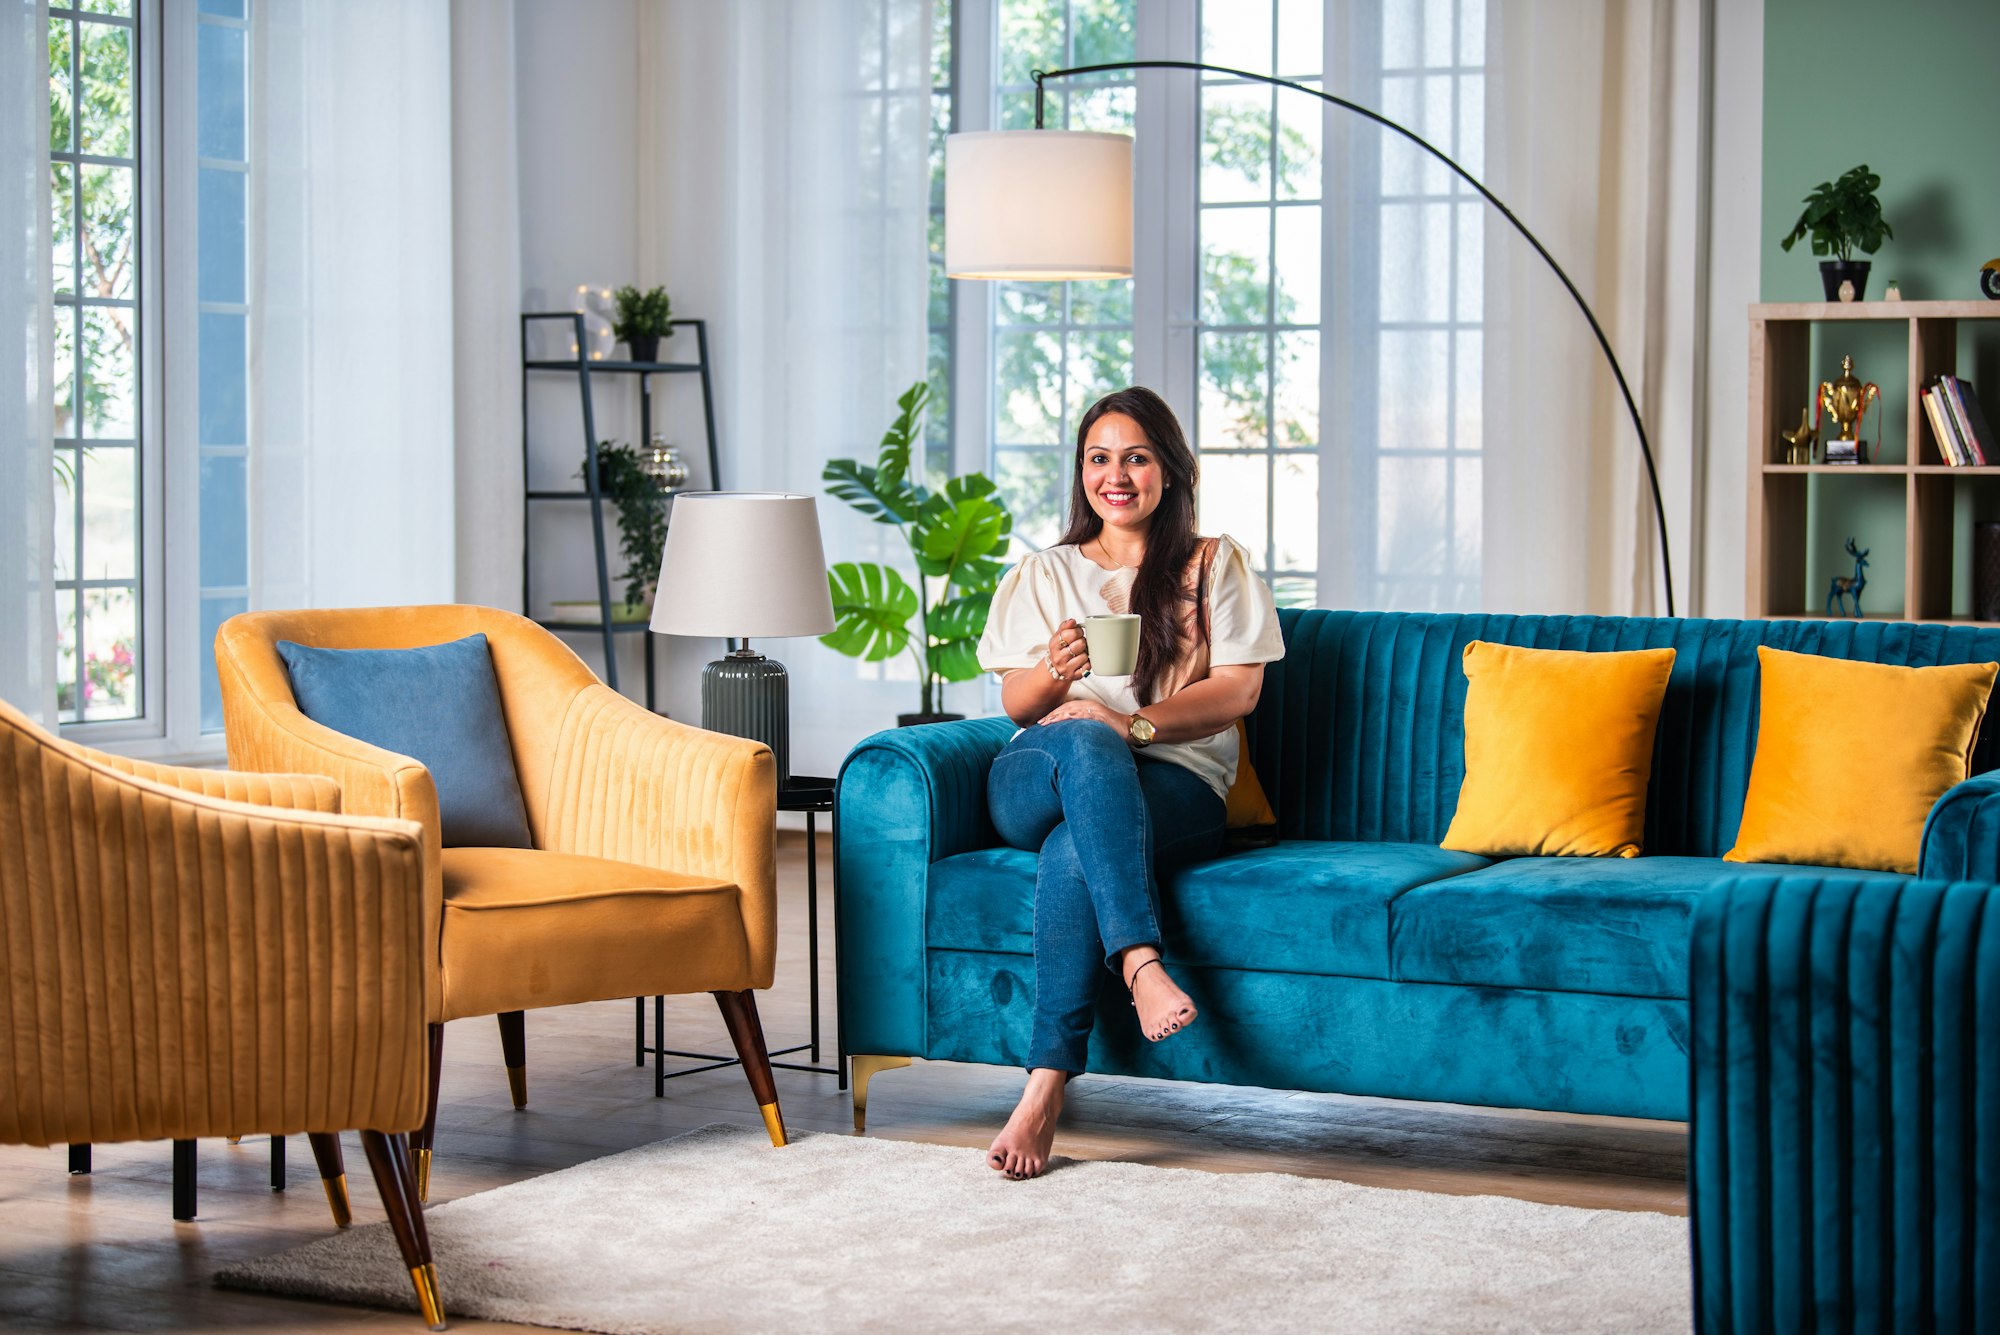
(1113, 639)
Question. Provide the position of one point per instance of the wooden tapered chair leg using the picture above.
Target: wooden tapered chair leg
(332, 1175)
(739, 1012)
(514, 1051)
(389, 1160)
(424, 1139)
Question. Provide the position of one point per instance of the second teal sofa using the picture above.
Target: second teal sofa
(1357, 956)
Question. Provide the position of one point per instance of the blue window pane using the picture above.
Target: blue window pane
(229, 9)
(214, 611)
(220, 92)
(224, 368)
(222, 235)
(225, 518)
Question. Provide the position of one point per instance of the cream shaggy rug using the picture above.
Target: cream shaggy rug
(716, 1232)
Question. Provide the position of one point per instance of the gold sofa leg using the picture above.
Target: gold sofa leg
(862, 1069)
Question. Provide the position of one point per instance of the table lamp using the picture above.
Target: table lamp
(740, 565)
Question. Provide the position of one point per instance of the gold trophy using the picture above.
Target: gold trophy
(1799, 444)
(1845, 400)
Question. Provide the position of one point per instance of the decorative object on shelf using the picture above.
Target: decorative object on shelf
(957, 537)
(1989, 279)
(1799, 443)
(664, 465)
(596, 342)
(744, 564)
(1893, 292)
(1027, 205)
(1847, 289)
(1844, 587)
(625, 479)
(1846, 400)
(644, 318)
(1842, 217)
(1986, 570)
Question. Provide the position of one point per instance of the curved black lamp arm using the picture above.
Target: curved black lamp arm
(1645, 447)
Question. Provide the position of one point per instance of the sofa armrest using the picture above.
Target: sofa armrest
(907, 798)
(295, 792)
(188, 965)
(1962, 834)
(633, 786)
(1845, 1106)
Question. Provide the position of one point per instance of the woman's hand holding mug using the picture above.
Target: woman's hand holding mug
(1069, 655)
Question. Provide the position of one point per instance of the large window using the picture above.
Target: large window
(941, 364)
(104, 657)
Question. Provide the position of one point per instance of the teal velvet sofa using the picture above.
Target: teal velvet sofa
(1356, 956)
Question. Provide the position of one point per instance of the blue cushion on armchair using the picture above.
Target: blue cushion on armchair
(438, 705)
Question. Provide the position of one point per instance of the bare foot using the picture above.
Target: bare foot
(1163, 1008)
(1021, 1150)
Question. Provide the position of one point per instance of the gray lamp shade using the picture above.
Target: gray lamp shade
(1038, 205)
(743, 565)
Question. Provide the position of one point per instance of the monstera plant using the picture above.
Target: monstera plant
(957, 537)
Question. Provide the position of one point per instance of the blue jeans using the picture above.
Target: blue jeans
(1103, 818)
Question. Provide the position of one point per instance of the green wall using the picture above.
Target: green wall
(1910, 88)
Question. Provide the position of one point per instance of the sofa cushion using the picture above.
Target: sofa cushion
(564, 928)
(1607, 925)
(1301, 907)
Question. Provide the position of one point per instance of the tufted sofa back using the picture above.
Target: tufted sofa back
(1360, 731)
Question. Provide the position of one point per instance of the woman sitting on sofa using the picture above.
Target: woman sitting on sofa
(1112, 777)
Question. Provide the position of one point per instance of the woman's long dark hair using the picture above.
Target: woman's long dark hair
(1171, 541)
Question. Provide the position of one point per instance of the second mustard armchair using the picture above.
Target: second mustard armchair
(653, 866)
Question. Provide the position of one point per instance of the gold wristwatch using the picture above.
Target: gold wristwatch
(1140, 731)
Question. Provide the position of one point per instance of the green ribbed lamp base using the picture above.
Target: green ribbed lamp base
(749, 695)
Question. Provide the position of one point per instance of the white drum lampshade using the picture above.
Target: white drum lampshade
(740, 565)
(1038, 205)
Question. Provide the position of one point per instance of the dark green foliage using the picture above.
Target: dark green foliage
(957, 537)
(642, 314)
(1843, 216)
(642, 515)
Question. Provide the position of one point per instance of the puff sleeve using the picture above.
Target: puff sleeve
(1021, 619)
(1242, 618)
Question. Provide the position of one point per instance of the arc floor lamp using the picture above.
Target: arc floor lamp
(998, 223)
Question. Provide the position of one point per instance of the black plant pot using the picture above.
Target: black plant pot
(645, 348)
(1832, 273)
(912, 720)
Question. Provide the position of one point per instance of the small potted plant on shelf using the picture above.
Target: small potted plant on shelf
(644, 318)
(625, 481)
(1843, 217)
(957, 538)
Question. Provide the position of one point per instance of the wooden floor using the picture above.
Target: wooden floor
(102, 1252)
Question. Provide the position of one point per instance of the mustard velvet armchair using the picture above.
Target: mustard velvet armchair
(653, 869)
(198, 953)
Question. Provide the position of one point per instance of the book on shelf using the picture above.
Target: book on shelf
(1947, 439)
(1970, 421)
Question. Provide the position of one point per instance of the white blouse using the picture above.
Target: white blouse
(1061, 583)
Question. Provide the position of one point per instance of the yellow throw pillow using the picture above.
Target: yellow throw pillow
(1558, 750)
(1852, 756)
(1247, 807)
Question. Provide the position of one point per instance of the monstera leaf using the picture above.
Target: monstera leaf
(892, 469)
(961, 530)
(955, 628)
(886, 502)
(872, 606)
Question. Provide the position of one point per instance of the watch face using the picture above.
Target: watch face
(1142, 728)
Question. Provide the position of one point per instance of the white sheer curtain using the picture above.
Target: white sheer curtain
(1593, 110)
(27, 595)
(351, 304)
(790, 208)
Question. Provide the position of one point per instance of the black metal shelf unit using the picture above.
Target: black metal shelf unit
(583, 368)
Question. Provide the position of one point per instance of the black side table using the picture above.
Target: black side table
(812, 796)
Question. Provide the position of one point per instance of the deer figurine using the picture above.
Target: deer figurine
(1846, 586)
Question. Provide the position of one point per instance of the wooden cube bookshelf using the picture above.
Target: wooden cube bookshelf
(1781, 379)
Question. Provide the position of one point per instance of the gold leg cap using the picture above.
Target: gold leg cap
(235, 1140)
(774, 1122)
(423, 1158)
(517, 1082)
(336, 1196)
(426, 1279)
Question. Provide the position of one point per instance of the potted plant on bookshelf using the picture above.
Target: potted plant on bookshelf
(644, 318)
(625, 481)
(957, 538)
(1843, 217)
